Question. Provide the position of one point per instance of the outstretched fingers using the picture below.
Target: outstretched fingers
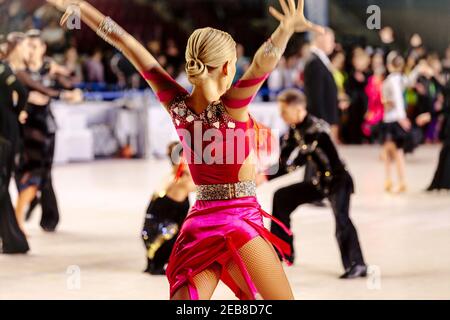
(301, 6)
(314, 27)
(292, 6)
(276, 14)
(284, 7)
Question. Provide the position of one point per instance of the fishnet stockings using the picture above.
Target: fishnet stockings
(205, 282)
(263, 266)
(265, 270)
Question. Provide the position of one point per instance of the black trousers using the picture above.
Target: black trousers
(12, 239)
(287, 199)
(50, 212)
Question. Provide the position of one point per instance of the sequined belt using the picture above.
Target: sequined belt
(226, 191)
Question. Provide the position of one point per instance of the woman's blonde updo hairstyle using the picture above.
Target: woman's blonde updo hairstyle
(207, 48)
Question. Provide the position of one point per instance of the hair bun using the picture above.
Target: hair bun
(195, 67)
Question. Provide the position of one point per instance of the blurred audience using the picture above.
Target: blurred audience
(342, 83)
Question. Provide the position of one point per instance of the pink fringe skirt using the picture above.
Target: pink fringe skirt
(214, 231)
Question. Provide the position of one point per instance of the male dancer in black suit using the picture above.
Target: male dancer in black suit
(308, 141)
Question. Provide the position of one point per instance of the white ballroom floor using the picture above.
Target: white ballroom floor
(405, 238)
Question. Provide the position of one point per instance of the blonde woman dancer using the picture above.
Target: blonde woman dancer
(223, 236)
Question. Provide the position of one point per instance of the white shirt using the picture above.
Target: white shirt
(322, 56)
(393, 92)
(393, 89)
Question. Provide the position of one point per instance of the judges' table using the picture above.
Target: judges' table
(98, 129)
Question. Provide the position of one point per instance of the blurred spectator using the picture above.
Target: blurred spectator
(95, 71)
(54, 36)
(320, 88)
(416, 46)
(16, 15)
(355, 88)
(243, 62)
(276, 81)
(446, 61)
(304, 53)
(127, 75)
(174, 59)
(375, 108)
(292, 75)
(428, 88)
(387, 38)
(73, 65)
(411, 61)
(340, 76)
(154, 46)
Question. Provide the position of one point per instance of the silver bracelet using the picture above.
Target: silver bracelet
(270, 50)
(107, 28)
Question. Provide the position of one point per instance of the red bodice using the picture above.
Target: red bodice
(215, 145)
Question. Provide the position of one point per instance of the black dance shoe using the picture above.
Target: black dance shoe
(357, 271)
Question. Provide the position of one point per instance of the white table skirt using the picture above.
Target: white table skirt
(75, 139)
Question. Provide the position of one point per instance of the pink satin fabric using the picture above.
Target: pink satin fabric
(214, 231)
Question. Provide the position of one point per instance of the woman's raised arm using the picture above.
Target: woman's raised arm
(267, 57)
(159, 80)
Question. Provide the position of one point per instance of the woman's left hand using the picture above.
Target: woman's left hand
(293, 19)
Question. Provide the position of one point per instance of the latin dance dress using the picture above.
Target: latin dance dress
(39, 144)
(12, 239)
(227, 214)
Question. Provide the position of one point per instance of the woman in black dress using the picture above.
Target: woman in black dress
(166, 213)
(36, 161)
(12, 238)
(441, 180)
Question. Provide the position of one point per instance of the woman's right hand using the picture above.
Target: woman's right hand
(293, 17)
